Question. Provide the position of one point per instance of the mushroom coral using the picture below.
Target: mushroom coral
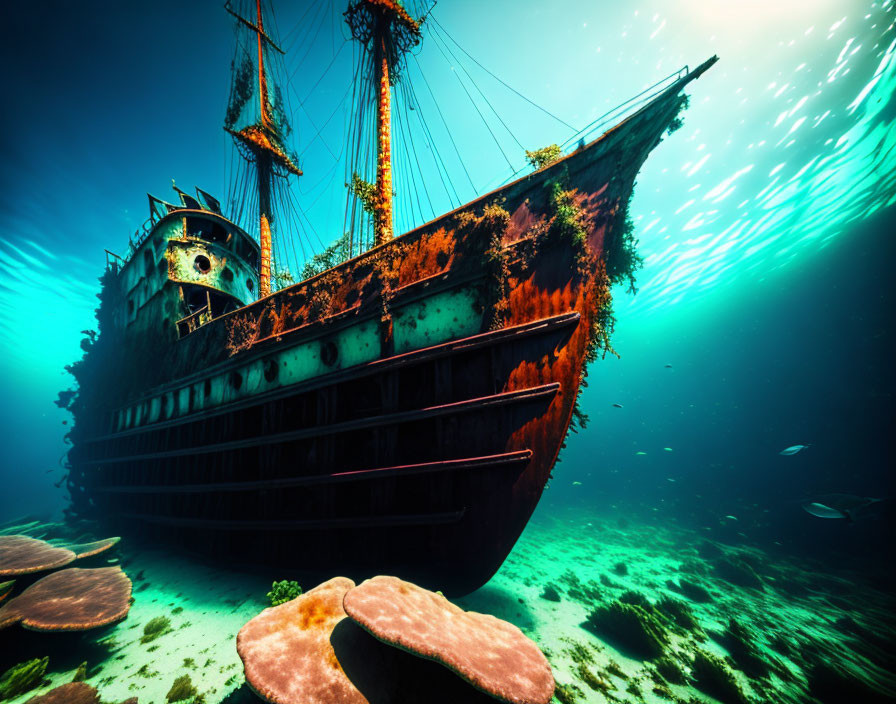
(492, 655)
(20, 554)
(307, 651)
(71, 600)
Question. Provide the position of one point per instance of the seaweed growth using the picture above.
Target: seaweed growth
(545, 156)
(567, 226)
(490, 227)
(684, 102)
(182, 689)
(158, 626)
(22, 678)
(632, 627)
(621, 256)
(93, 393)
(712, 676)
(283, 591)
(333, 255)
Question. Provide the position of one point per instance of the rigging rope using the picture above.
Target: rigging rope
(509, 87)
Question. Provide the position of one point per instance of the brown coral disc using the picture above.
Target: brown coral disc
(307, 652)
(74, 599)
(287, 654)
(94, 548)
(20, 555)
(492, 655)
(5, 589)
(71, 693)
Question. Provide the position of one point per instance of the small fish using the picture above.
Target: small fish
(792, 450)
(668, 449)
(731, 518)
(670, 479)
(577, 483)
(640, 453)
(838, 505)
(617, 405)
(668, 366)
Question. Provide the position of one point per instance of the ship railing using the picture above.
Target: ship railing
(623, 110)
(194, 321)
(113, 261)
(614, 115)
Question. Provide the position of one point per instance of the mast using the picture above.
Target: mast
(386, 29)
(262, 143)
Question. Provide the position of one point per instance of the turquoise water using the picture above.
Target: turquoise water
(763, 317)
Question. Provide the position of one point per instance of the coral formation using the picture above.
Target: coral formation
(287, 648)
(283, 591)
(71, 693)
(507, 665)
(21, 555)
(73, 599)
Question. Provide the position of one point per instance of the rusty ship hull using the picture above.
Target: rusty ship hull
(400, 413)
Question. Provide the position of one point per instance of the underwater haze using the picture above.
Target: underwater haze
(763, 318)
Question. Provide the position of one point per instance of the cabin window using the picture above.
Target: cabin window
(206, 230)
(227, 274)
(130, 307)
(207, 390)
(236, 380)
(250, 284)
(271, 370)
(202, 263)
(147, 261)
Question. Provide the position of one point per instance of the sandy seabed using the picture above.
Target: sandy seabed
(625, 612)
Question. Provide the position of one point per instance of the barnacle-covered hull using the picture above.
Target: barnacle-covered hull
(400, 413)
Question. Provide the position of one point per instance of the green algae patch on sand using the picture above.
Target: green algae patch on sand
(155, 628)
(631, 626)
(22, 678)
(713, 677)
(182, 689)
(737, 572)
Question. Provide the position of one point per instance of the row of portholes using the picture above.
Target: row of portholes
(146, 412)
(168, 405)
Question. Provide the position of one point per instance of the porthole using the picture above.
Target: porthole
(236, 380)
(202, 263)
(250, 284)
(227, 274)
(271, 370)
(329, 353)
(207, 390)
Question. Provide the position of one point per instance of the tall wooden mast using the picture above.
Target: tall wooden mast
(388, 31)
(262, 143)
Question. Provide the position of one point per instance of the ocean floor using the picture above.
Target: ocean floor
(625, 611)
